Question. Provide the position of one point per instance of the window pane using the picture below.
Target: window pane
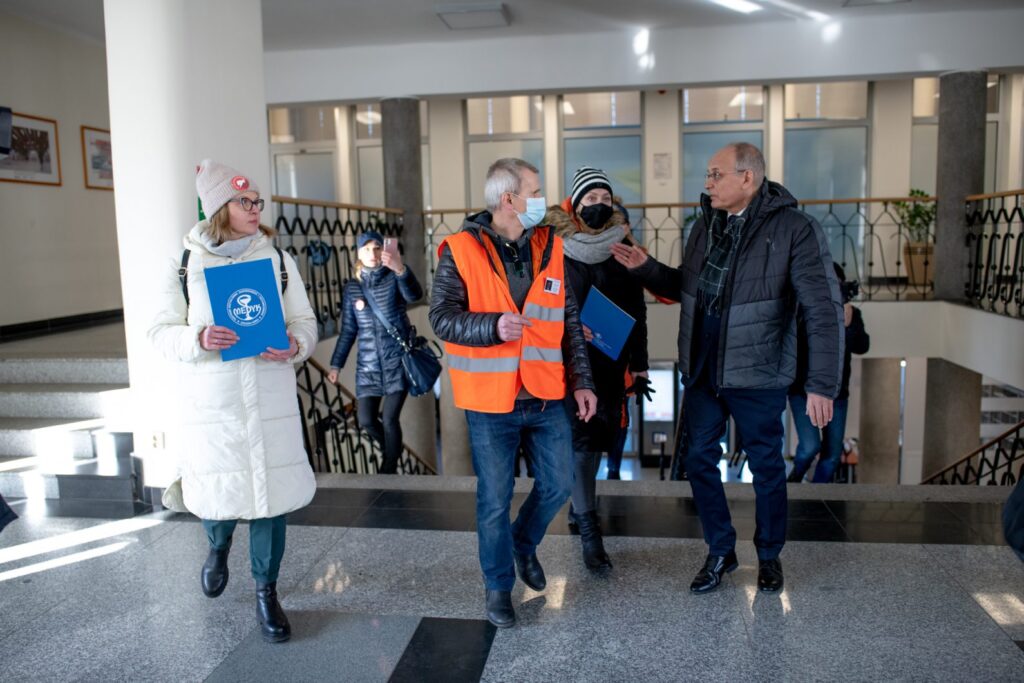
(307, 175)
(371, 175)
(301, 124)
(711, 105)
(497, 115)
(483, 154)
(848, 100)
(924, 152)
(368, 123)
(619, 157)
(926, 96)
(601, 109)
(698, 148)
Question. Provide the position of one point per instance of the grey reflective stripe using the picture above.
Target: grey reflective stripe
(482, 364)
(548, 313)
(537, 353)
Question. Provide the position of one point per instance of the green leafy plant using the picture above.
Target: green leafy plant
(916, 217)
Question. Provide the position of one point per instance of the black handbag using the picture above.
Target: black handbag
(421, 365)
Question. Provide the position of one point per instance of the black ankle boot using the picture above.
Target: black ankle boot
(499, 608)
(214, 576)
(594, 555)
(273, 621)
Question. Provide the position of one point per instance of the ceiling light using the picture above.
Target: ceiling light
(742, 6)
(868, 3)
(567, 108)
(473, 15)
(368, 118)
(640, 41)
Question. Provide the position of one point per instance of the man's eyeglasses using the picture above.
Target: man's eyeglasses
(247, 203)
(715, 176)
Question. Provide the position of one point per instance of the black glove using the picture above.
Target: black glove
(642, 388)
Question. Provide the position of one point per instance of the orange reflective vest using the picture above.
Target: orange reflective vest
(487, 379)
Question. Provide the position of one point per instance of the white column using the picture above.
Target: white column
(552, 152)
(776, 133)
(344, 160)
(186, 82)
(1011, 157)
(892, 116)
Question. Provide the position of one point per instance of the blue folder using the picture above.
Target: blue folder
(244, 297)
(610, 324)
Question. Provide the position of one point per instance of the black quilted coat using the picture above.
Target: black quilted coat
(379, 356)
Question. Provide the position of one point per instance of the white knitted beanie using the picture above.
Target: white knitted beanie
(218, 184)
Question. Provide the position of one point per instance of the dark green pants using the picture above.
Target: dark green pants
(266, 543)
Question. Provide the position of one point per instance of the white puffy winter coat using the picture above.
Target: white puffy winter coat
(240, 448)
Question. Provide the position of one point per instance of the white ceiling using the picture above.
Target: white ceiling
(308, 24)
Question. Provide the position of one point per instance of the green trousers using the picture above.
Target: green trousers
(266, 543)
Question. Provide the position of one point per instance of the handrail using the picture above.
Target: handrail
(332, 205)
(804, 202)
(994, 195)
(976, 452)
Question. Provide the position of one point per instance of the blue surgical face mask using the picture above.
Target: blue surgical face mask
(536, 207)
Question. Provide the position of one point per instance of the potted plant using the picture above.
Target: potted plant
(916, 218)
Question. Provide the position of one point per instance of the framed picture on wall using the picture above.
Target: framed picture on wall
(96, 159)
(35, 153)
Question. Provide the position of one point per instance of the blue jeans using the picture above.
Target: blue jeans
(828, 441)
(546, 435)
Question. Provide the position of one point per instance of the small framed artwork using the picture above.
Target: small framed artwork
(96, 159)
(35, 152)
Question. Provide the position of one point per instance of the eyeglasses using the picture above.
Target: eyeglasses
(715, 176)
(247, 203)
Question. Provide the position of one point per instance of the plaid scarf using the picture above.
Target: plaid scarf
(723, 243)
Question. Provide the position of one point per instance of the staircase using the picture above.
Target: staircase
(58, 436)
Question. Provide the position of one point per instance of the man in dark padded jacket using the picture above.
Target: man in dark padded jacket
(514, 347)
(751, 258)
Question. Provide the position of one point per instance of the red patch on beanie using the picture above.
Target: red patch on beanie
(240, 183)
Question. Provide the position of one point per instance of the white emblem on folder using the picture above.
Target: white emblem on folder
(552, 286)
(246, 307)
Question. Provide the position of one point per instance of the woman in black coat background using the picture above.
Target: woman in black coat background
(380, 378)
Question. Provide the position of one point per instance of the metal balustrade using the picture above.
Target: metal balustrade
(999, 462)
(995, 245)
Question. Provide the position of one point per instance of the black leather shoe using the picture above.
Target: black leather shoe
(214, 576)
(769, 576)
(710, 575)
(499, 608)
(530, 571)
(795, 477)
(594, 555)
(273, 621)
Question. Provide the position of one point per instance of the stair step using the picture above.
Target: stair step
(92, 479)
(64, 370)
(51, 437)
(62, 400)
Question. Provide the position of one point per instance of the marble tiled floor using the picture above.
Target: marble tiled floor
(374, 602)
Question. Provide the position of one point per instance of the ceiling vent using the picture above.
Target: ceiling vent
(463, 16)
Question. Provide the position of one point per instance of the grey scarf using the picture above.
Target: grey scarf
(592, 248)
(230, 248)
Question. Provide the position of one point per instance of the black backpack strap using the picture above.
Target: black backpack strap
(183, 274)
(284, 271)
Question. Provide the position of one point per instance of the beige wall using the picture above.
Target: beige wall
(59, 253)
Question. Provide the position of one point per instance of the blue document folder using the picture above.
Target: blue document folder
(610, 324)
(244, 297)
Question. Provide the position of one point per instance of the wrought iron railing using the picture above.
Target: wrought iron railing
(999, 462)
(872, 239)
(995, 243)
(331, 434)
(322, 238)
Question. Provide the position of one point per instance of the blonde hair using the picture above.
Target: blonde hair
(220, 226)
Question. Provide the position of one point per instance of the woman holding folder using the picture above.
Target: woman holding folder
(589, 222)
(240, 438)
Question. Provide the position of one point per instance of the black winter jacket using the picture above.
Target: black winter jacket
(783, 260)
(857, 341)
(615, 282)
(453, 322)
(379, 356)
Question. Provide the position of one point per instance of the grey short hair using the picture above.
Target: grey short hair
(504, 175)
(749, 158)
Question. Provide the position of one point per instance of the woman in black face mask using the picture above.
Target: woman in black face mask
(589, 223)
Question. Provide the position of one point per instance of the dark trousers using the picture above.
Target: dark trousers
(758, 416)
(266, 543)
(387, 432)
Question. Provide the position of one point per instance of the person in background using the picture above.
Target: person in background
(589, 224)
(241, 435)
(7, 515)
(380, 378)
(827, 441)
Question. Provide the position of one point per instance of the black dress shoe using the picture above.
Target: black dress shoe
(769, 576)
(710, 575)
(499, 608)
(273, 621)
(530, 571)
(214, 576)
(594, 555)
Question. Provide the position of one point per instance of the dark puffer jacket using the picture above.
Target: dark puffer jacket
(783, 260)
(453, 322)
(379, 356)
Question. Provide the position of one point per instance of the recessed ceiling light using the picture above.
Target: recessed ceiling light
(742, 6)
(868, 3)
(463, 16)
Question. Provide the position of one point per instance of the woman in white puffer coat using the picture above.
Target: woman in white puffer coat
(241, 448)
